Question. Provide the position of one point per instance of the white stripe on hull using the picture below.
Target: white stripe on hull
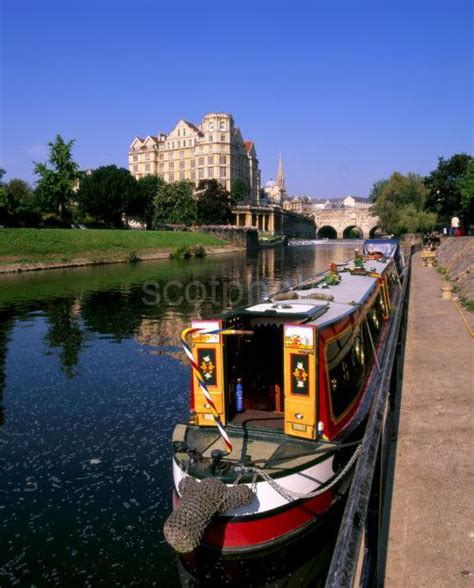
(267, 498)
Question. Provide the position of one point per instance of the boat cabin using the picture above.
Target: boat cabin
(307, 357)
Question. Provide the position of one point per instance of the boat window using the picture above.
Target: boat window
(347, 368)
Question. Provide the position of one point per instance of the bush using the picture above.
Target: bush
(199, 251)
(133, 257)
(182, 252)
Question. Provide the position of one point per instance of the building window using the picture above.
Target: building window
(211, 137)
(179, 132)
(222, 136)
(211, 149)
(193, 175)
(181, 175)
(201, 172)
(222, 126)
(147, 156)
(135, 168)
(211, 126)
(147, 167)
(160, 155)
(162, 166)
(193, 163)
(181, 154)
(171, 177)
(181, 165)
(200, 149)
(184, 132)
(210, 159)
(201, 161)
(222, 159)
(210, 172)
(135, 158)
(171, 165)
(223, 172)
(223, 147)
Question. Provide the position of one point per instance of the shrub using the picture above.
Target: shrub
(199, 251)
(133, 257)
(182, 252)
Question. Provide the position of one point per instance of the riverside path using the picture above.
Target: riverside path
(431, 534)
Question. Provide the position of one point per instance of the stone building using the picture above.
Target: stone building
(276, 191)
(213, 149)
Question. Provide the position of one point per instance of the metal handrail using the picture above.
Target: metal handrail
(345, 556)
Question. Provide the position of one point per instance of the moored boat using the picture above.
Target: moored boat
(280, 393)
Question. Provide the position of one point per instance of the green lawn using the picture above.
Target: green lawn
(43, 245)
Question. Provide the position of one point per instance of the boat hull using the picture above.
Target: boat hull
(242, 534)
(270, 518)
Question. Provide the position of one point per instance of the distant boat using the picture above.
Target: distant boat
(281, 398)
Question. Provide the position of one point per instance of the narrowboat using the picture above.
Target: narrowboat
(280, 393)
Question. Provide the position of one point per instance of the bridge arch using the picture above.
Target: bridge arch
(352, 232)
(375, 232)
(327, 232)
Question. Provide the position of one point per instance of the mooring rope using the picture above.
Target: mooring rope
(197, 372)
(291, 495)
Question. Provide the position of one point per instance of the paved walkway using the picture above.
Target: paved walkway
(431, 536)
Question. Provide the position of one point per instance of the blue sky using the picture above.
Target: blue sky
(348, 91)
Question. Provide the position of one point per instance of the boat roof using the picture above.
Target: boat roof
(316, 303)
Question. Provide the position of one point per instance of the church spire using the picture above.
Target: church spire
(281, 176)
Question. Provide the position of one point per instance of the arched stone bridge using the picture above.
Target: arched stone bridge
(342, 223)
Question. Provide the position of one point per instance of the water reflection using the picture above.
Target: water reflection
(92, 381)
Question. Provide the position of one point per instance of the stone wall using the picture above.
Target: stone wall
(239, 236)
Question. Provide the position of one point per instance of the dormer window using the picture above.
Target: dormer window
(211, 126)
(222, 125)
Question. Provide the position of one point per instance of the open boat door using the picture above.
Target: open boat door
(208, 353)
(300, 357)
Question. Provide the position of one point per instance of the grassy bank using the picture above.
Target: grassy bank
(52, 246)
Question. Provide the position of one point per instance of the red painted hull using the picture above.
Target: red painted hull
(265, 530)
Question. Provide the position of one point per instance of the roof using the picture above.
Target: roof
(193, 126)
(248, 145)
(351, 291)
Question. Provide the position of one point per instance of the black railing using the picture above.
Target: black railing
(366, 515)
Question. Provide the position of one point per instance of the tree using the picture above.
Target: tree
(444, 193)
(377, 189)
(142, 207)
(240, 190)
(400, 205)
(466, 188)
(174, 204)
(56, 184)
(213, 203)
(21, 205)
(106, 194)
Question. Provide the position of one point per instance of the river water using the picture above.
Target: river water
(92, 381)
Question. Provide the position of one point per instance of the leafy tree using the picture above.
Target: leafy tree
(240, 190)
(56, 185)
(142, 206)
(213, 203)
(106, 194)
(444, 193)
(174, 204)
(21, 204)
(466, 188)
(400, 205)
(377, 189)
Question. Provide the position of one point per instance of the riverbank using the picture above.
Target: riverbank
(455, 258)
(430, 535)
(38, 249)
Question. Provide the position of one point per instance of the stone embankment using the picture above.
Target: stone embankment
(455, 256)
